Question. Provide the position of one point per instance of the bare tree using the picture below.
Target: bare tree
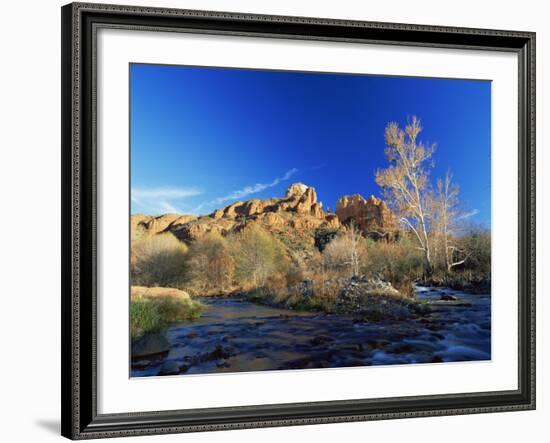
(447, 213)
(406, 181)
(346, 251)
(211, 266)
(353, 237)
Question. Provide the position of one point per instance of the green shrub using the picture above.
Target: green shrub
(144, 318)
(153, 309)
(258, 256)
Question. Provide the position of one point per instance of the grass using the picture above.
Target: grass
(153, 309)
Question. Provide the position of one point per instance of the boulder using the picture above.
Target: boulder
(137, 292)
(150, 344)
(373, 299)
(448, 297)
(169, 367)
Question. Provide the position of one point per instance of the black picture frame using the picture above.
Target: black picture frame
(79, 176)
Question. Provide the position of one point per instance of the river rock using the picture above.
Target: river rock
(169, 367)
(321, 339)
(447, 297)
(150, 344)
(223, 363)
(374, 299)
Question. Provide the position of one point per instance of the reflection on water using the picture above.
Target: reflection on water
(235, 335)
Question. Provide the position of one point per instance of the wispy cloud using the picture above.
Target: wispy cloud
(254, 189)
(161, 200)
(246, 191)
(468, 214)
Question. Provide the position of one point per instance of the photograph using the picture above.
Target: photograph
(295, 220)
(288, 220)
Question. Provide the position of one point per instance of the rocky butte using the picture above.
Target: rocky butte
(371, 216)
(297, 216)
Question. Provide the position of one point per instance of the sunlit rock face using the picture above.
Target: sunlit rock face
(298, 198)
(298, 213)
(372, 216)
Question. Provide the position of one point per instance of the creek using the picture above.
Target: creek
(235, 335)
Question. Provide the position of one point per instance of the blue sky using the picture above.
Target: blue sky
(202, 138)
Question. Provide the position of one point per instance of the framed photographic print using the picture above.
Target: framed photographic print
(274, 221)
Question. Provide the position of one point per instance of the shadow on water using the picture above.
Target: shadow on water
(235, 335)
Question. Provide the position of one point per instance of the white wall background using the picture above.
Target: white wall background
(30, 219)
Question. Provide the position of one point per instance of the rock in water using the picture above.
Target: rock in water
(169, 367)
(150, 344)
(447, 297)
(373, 299)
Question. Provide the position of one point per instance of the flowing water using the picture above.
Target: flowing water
(235, 335)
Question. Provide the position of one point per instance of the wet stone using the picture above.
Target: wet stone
(150, 344)
(223, 364)
(169, 367)
(448, 297)
(321, 339)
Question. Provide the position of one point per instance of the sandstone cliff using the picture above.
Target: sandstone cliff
(372, 216)
(297, 218)
(293, 216)
(146, 224)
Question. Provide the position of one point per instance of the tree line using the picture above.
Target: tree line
(433, 243)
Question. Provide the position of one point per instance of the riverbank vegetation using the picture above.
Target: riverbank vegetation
(152, 309)
(313, 270)
(258, 266)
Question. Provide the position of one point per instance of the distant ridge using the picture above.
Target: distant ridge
(296, 215)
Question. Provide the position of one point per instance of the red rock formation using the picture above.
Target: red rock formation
(296, 190)
(299, 198)
(298, 210)
(371, 216)
(145, 224)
